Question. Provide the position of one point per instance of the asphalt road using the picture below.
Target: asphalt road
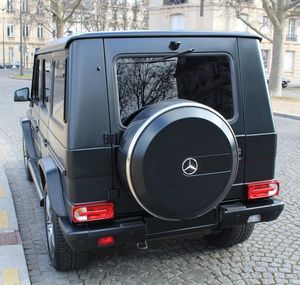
(271, 256)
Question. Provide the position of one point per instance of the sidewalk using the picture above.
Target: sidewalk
(13, 267)
(288, 105)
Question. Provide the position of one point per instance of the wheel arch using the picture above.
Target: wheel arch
(50, 176)
(26, 129)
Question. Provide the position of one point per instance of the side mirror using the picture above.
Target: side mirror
(22, 95)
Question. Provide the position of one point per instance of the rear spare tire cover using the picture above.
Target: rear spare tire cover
(179, 159)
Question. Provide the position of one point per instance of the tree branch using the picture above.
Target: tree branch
(291, 5)
(238, 15)
(77, 3)
(267, 5)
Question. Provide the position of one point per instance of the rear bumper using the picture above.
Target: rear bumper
(139, 229)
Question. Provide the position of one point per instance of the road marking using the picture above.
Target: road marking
(2, 193)
(3, 220)
(10, 277)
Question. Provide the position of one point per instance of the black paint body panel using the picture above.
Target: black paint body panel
(88, 166)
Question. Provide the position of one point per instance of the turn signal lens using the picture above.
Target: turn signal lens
(263, 189)
(92, 212)
(106, 241)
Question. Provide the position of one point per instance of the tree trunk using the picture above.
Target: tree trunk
(278, 50)
(277, 62)
(60, 27)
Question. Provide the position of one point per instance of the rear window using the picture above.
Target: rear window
(204, 79)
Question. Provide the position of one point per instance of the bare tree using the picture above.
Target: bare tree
(100, 15)
(278, 11)
(61, 12)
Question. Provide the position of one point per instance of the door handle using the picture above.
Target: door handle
(46, 142)
(35, 125)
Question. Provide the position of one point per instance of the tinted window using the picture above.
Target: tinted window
(36, 81)
(47, 83)
(59, 90)
(204, 79)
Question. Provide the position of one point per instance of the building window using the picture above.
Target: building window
(24, 6)
(39, 9)
(177, 22)
(292, 30)
(9, 6)
(11, 55)
(40, 31)
(25, 31)
(265, 56)
(266, 25)
(175, 2)
(10, 30)
(289, 60)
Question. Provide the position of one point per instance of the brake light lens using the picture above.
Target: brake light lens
(263, 189)
(92, 212)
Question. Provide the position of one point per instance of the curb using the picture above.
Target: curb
(13, 266)
(16, 78)
(287, 116)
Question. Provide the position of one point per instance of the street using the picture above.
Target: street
(271, 256)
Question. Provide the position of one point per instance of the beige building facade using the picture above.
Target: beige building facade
(34, 35)
(208, 15)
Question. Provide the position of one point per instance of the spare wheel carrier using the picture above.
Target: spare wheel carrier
(179, 159)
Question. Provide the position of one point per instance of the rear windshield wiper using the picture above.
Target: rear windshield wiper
(181, 53)
(190, 50)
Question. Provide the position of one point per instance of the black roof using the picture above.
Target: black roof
(64, 42)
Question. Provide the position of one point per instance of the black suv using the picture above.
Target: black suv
(135, 136)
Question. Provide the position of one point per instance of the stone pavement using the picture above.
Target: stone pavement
(13, 267)
(270, 256)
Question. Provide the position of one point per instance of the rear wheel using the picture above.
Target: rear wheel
(231, 236)
(62, 257)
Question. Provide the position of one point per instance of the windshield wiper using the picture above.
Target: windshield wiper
(190, 50)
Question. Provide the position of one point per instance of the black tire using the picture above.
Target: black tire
(178, 159)
(62, 257)
(231, 236)
(25, 159)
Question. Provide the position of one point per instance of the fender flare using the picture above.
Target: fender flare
(26, 129)
(54, 186)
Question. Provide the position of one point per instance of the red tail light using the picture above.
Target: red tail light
(263, 189)
(106, 241)
(92, 212)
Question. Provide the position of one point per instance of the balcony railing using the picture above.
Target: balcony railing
(292, 38)
(175, 2)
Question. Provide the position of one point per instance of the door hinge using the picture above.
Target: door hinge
(110, 139)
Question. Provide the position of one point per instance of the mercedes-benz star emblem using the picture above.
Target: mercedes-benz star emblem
(189, 166)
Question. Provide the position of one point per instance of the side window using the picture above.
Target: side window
(47, 83)
(36, 80)
(40, 81)
(59, 90)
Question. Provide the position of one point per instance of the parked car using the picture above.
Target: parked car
(135, 136)
(284, 81)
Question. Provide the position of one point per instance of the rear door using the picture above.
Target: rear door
(45, 101)
(128, 56)
(34, 112)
